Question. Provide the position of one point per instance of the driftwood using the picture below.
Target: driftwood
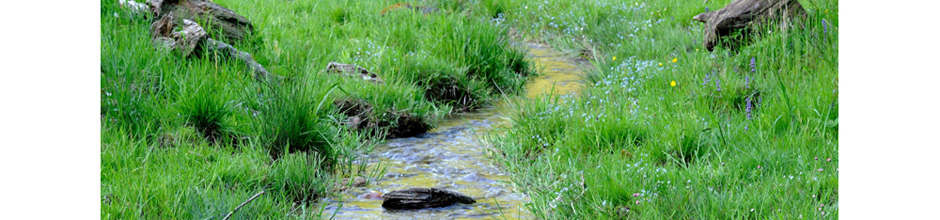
(353, 71)
(185, 39)
(208, 14)
(175, 29)
(419, 198)
(745, 14)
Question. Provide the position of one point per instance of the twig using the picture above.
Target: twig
(243, 204)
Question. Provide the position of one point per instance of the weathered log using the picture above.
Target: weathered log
(743, 15)
(419, 198)
(353, 71)
(210, 15)
(185, 40)
(229, 51)
(191, 39)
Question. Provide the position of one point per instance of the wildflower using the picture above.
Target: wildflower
(660, 64)
(615, 57)
(675, 59)
(815, 158)
(748, 108)
(828, 159)
(705, 80)
(673, 83)
(753, 65)
(638, 202)
(746, 82)
(826, 11)
(752, 209)
(825, 27)
(820, 169)
(759, 167)
(706, 9)
(718, 84)
(636, 194)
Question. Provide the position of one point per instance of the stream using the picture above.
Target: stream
(453, 157)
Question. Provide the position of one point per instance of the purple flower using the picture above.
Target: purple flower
(753, 65)
(718, 84)
(706, 9)
(748, 109)
(746, 84)
(705, 80)
(825, 28)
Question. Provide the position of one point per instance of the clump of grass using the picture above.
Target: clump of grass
(288, 121)
(299, 177)
(204, 107)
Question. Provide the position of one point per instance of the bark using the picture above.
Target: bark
(745, 14)
(212, 16)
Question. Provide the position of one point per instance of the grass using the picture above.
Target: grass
(635, 147)
(193, 137)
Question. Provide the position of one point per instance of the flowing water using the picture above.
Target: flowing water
(452, 157)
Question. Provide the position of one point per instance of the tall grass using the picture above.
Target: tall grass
(726, 142)
(193, 137)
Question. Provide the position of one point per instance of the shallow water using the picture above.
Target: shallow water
(452, 157)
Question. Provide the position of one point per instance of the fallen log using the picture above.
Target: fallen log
(419, 198)
(745, 15)
(210, 15)
(192, 39)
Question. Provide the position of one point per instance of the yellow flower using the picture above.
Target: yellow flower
(673, 83)
(615, 57)
(675, 59)
(827, 11)
(660, 64)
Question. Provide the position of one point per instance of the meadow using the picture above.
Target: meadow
(193, 137)
(670, 130)
(667, 131)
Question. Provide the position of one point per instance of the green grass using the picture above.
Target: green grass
(193, 137)
(684, 152)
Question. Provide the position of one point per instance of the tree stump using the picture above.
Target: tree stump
(745, 14)
(212, 16)
(419, 198)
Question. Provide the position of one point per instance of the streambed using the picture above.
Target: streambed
(453, 157)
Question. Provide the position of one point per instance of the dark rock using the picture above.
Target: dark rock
(745, 15)
(419, 198)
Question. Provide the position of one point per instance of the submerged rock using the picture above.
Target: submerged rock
(743, 14)
(419, 198)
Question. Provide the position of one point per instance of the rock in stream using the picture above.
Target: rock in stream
(419, 198)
